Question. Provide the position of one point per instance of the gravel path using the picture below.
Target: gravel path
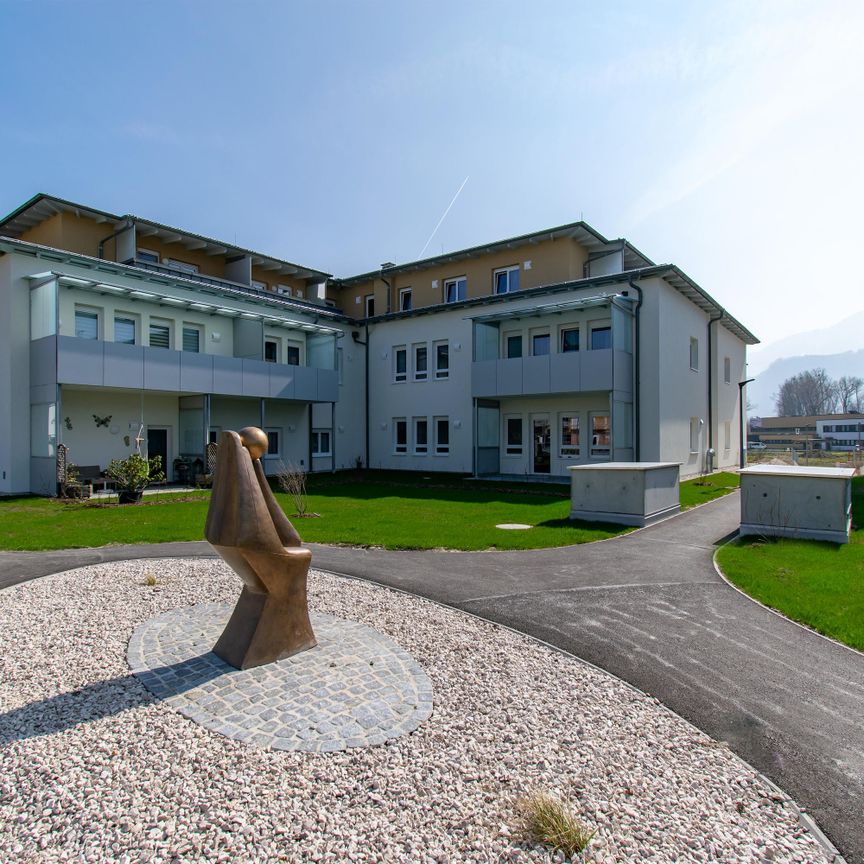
(95, 770)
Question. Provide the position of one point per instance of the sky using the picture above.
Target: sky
(723, 137)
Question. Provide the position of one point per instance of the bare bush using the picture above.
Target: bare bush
(292, 481)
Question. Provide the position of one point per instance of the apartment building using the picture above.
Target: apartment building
(519, 357)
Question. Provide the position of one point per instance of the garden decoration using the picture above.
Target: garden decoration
(253, 536)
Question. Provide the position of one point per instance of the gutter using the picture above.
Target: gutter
(100, 249)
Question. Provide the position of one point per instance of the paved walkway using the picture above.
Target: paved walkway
(649, 608)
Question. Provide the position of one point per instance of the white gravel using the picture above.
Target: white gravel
(94, 770)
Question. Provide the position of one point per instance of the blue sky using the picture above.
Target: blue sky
(726, 138)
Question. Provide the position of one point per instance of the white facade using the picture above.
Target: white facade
(619, 366)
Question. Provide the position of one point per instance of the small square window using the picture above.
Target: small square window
(160, 335)
(86, 324)
(540, 344)
(421, 436)
(271, 351)
(601, 337)
(320, 442)
(569, 435)
(514, 346)
(369, 301)
(455, 289)
(694, 354)
(400, 364)
(405, 301)
(514, 436)
(727, 370)
(601, 436)
(148, 256)
(124, 330)
(274, 442)
(569, 340)
(442, 360)
(192, 340)
(505, 280)
(421, 363)
(259, 286)
(442, 435)
(292, 354)
(400, 435)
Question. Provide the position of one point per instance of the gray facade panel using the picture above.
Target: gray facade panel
(43, 393)
(484, 378)
(597, 370)
(79, 361)
(281, 381)
(43, 362)
(305, 384)
(161, 369)
(256, 378)
(43, 475)
(196, 372)
(535, 374)
(248, 339)
(565, 372)
(328, 385)
(124, 365)
(227, 376)
(623, 371)
(509, 377)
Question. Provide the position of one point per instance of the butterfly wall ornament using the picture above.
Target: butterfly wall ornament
(102, 421)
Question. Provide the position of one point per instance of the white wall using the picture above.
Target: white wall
(726, 409)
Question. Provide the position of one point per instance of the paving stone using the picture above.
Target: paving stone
(357, 688)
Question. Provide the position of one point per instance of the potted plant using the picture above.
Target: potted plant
(132, 475)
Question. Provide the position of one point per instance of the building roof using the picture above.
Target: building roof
(797, 421)
(41, 207)
(587, 236)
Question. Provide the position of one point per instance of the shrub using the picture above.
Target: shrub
(549, 820)
(292, 481)
(133, 473)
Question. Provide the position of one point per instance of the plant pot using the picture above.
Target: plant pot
(129, 496)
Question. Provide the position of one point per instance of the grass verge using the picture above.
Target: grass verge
(703, 489)
(393, 510)
(817, 584)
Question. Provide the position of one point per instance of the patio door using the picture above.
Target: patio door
(157, 445)
(541, 444)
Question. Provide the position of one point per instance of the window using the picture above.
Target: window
(124, 330)
(442, 360)
(86, 324)
(421, 363)
(727, 434)
(421, 435)
(505, 280)
(569, 340)
(369, 300)
(292, 354)
(540, 344)
(601, 438)
(455, 289)
(442, 435)
(694, 353)
(405, 303)
(261, 286)
(569, 435)
(695, 423)
(727, 370)
(320, 442)
(601, 337)
(514, 346)
(160, 334)
(400, 435)
(192, 340)
(183, 266)
(148, 256)
(274, 442)
(400, 364)
(271, 351)
(213, 434)
(514, 436)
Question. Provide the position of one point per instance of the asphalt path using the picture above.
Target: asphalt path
(650, 608)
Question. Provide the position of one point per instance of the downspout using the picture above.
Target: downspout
(711, 385)
(636, 367)
(357, 341)
(389, 292)
(100, 249)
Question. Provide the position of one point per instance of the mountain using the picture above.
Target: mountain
(760, 394)
(845, 336)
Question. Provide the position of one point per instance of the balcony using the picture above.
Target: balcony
(110, 364)
(574, 372)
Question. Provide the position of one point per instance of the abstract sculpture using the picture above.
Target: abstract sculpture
(248, 529)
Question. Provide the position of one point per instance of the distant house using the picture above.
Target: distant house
(518, 357)
(814, 432)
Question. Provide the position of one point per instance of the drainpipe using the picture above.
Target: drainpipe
(101, 247)
(358, 341)
(637, 443)
(711, 385)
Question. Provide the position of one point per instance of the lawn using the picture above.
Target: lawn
(818, 584)
(388, 509)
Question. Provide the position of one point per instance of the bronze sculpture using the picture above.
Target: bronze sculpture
(253, 536)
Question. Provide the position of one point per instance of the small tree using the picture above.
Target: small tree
(133, 474)
(292, 481)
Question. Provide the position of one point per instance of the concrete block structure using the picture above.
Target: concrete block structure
(794, 501)
(522, 357)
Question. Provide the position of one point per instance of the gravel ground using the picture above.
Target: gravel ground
(93, 769)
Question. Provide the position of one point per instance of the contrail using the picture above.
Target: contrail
(443, 217)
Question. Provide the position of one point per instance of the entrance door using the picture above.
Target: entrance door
(541, 444)
(157, 445)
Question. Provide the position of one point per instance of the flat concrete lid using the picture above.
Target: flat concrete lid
(798, 471)
(624, 466)
(513, 526)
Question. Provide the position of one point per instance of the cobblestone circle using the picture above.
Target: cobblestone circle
(357, 688)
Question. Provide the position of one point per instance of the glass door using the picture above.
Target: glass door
(541, 444)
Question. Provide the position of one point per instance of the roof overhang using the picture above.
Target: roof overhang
(166, 298)
(549, 309)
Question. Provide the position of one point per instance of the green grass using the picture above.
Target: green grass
(394, 510)
(818, 584)
(702, 489)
